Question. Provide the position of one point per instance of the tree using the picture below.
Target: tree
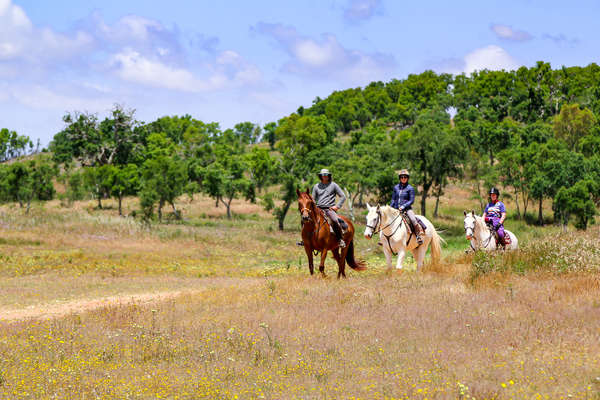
(114, 141)
(98, 181)
(13, 145)
(163, 175)
(269, 134)
(262, 167)
(576, 200)
(124, 181)
(29, 180)
(573, 123)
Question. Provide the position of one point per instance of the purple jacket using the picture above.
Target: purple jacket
(403, 196)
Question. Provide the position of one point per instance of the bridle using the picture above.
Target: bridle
(381, 228)
(484, 244)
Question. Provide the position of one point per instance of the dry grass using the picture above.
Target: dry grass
(251, 322)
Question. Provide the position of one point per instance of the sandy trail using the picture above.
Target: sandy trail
(65, 308)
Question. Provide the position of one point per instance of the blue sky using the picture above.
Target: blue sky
(234, 61)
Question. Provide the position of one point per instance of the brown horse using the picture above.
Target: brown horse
(318, 238)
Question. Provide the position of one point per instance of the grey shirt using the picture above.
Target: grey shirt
(324, 194)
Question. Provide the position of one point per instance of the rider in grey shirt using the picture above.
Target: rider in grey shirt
(323, 194)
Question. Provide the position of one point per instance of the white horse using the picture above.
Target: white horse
(480, 235)
(394, 236)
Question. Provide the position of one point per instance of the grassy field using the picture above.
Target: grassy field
(97, 306)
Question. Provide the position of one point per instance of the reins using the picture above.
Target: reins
(384, 227)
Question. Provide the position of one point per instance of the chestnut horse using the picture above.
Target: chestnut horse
(318, 238)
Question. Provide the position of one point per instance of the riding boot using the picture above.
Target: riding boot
(418, 232)
(337, 230)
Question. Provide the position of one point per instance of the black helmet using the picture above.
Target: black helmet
(494, 191)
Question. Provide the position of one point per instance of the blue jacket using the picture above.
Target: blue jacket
(403, 196)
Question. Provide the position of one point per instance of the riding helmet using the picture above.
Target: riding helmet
(403, 172)
(495, 191)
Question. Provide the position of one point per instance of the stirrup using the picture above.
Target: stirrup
(419, 239)
(342, 244)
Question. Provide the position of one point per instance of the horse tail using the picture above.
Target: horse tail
(352, 262)
(436, 248)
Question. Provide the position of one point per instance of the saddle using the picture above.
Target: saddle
(411, 228)
(342, 223)
(501, 242)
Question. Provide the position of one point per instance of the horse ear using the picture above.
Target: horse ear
(307, 191)
(368, 206)
(473, 212)
(464, 212)
(298, 192)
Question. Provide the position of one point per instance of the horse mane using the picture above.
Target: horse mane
(387, 211)
(480, 223)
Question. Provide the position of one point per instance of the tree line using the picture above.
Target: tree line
(534, 130)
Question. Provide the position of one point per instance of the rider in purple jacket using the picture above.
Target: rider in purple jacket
(495, 212)
(403, 199)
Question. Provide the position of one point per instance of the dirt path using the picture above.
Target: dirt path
(57, 310)
(62, 309)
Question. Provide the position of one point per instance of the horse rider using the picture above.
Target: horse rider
(324, 194)
(495, 213)
(403, 199)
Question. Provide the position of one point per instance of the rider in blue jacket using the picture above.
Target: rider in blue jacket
(403, 199)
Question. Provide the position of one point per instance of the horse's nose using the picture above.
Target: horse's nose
(368, 236)
(305, 218)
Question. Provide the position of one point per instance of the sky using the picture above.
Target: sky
(258, 61)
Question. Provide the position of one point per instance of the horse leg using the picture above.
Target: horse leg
(341, 260)
(336, 256)
(388, 256)
(419, 254)
(322, 265)
(309, 254)
(401, 254)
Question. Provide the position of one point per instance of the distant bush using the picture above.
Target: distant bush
(557, 253)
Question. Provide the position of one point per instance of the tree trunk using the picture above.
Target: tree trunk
(517, 203)
(120, 208)
(161, 203)
(175, 211)
(437, 201)
(227, 206)
(491, 158)
(350, 203)
(424, 199)
(481, 203)
(525, 203)
(540, 215)
(28, 206)
(281, 216)
(217, 201)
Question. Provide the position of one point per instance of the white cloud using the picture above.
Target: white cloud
(507, 33)
(29, 47)
(490, 57)
(361, 9)
(134, 67)
(230, 69)
(42, 98)
(326, 57)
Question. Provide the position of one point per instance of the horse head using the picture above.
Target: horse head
(373, 221)
(470, 222)
(306, 204)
